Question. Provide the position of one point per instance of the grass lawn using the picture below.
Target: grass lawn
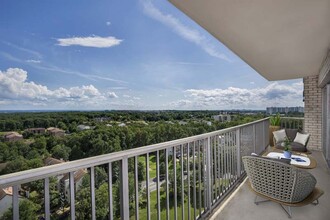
(152, 165)
(153, 208)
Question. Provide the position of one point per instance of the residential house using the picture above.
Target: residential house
(83, 127)
(65, 183)
(56, 132)
(6, 199)
(63, 179)
(13, 136)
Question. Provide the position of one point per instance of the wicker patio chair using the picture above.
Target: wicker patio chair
(281, 183)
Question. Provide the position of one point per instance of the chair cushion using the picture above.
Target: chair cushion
(279, 135)
(291, 133)
(301, 138)
(294, 146)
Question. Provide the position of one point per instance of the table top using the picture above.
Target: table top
(308, 161)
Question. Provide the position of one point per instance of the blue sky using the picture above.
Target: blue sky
(142, 54)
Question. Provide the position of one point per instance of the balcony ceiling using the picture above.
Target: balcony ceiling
(282, 39)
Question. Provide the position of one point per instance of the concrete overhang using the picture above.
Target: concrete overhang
(280, 39)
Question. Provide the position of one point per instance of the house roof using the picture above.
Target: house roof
(54, 130)
(79, 174)
(280, 39)
(12, 134)
(6, 191)
(52, 161)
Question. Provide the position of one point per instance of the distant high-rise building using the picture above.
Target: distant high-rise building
(274, 110)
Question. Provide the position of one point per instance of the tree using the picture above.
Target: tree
(40, 144)
(62, 125)
(4, 152)
(141, 171)
(27, 211)
(19, 164)
(61, 152)
(101, 200)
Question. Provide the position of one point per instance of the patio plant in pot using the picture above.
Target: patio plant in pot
(275, 122)
(287, 148)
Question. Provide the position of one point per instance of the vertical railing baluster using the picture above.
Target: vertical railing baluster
(188, 178)
(233, 154)
(199, 178)
(46, 198)
(194, 178)
(238, 142)
(110, 191)
(136, 183)
(222, 161)
(182, 181)
(208, 173)
(158, 185)
(229, 158)
(263, 135)
(204, 175)
(167, 185)
(175, 185)
(124, 189)
(233, 145)
(72, 196)
(15, 203)
(254, 138)
(92, 189)
(147, 186)
(215, 165)
(219, 164)
(227, 161)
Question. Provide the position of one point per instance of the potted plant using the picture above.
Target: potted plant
(275, 122)
(287, 148)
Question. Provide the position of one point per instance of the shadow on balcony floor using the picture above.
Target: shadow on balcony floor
(242, 207)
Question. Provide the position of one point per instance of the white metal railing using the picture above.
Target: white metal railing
(209, 166)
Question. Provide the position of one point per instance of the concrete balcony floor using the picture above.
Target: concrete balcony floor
(240, 205)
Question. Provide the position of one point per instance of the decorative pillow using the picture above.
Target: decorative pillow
(279, 135)
(301, 138)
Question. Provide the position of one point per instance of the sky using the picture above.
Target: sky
(132, 55)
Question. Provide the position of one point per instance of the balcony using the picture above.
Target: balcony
(188, 178)
(241, 204)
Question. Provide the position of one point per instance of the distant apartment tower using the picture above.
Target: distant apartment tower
(274, 110)
(223, 118)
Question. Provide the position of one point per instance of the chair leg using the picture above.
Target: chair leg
(316, 202)
(288, 211)
(257, 202)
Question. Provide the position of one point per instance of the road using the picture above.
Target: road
(152, 184)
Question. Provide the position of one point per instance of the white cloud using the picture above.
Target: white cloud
(15, 88)
(275, 94)
(108, 23)
(111, 95)
(33, 61)
(184, 31)
(92, 41)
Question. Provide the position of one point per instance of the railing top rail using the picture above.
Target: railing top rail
(295, 118)
(53, 170)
